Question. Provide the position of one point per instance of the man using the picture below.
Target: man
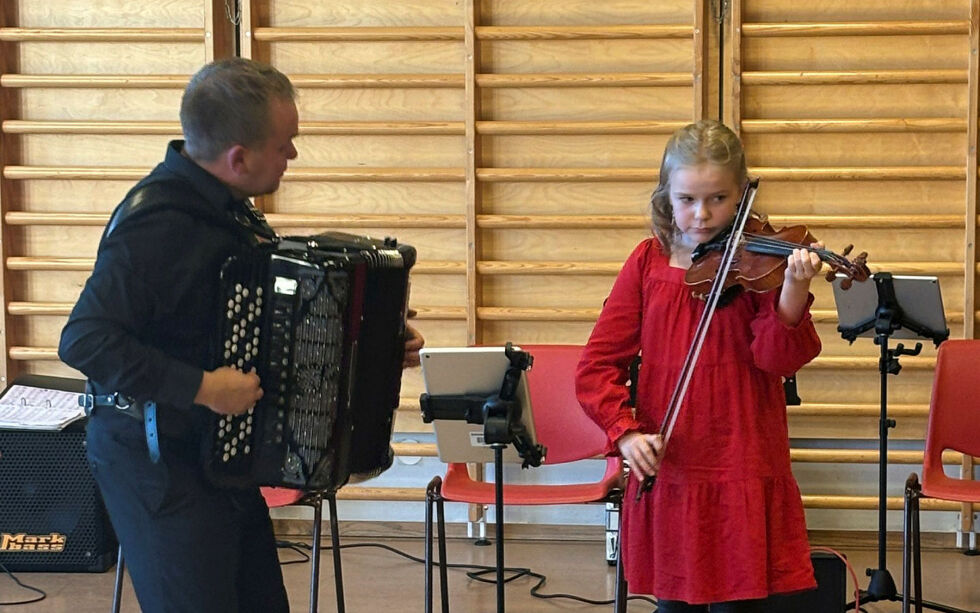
(144, 329)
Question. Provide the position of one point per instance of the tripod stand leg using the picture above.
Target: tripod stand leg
(498, 471)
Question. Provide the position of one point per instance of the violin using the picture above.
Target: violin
(759, 262)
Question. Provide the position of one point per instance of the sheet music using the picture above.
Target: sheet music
(38, 408)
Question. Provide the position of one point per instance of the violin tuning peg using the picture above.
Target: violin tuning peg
(845, 283)
(831, 275)
(847, 250)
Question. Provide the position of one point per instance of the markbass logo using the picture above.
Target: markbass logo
(51, 543)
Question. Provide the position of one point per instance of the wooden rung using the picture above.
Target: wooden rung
(49, 263)
(570, 175)
(33, 353)
(897, 124)
(453, 128)
(379, 174)
(317, 81)
(64, 308)
(863, 173)
(84, 173)
(500, 128)
(440, 312)
(516, 175)
(517, 267)
(433, 267)
(427, 450)
(560, 222)
(27, 218)
(95, 80)
(852, 77)
(865, 456)
(279, 220)
(39, 308)
(867, 363)
(101, 35)
(778, 221)
(20, 126)
(603, 79)
(857, 28)
(895, 503)
(536, 314)
(340, 34)
(392, 494)
(863, 410)
(491, 267)
(292, 220)
(584, 32)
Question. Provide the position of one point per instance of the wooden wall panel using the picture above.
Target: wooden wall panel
(515, 145)
(90, 101)
(856, 116)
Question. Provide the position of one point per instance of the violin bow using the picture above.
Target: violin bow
(711, 305)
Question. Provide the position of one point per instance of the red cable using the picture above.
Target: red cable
(850, 569)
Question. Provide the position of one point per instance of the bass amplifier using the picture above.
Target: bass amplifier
(321, 320)
(830, 595)
(51, 513)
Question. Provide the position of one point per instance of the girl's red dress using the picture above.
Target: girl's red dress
(725, 520)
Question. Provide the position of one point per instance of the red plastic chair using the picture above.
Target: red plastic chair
(565, 430)
(953, 424)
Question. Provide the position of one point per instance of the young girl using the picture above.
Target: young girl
(724, 524)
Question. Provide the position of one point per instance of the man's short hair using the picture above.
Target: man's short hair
(227, 103)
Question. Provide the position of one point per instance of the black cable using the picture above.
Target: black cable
(475, 572)
(42, 593)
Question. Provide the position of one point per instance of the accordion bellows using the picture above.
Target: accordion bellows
(322, 321)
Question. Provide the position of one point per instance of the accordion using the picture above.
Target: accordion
(321, 319)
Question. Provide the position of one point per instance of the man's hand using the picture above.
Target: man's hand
(229, 391)
(413, 342)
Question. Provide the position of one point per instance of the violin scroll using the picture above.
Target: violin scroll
(853, 270)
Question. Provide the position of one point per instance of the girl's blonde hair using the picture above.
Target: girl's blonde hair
(705, 141)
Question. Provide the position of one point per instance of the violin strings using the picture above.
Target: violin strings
(825, 254)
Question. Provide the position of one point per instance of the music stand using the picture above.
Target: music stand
(500, 404)
(907, 307)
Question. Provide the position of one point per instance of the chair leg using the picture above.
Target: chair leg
(433, 495)
(317, 503)
(917, 549)
(911, 547)
(338, 571)
(443, 561)
(429, 499)
(117, 589)
(907, 542)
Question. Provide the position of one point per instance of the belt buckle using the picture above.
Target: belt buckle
(120, 402)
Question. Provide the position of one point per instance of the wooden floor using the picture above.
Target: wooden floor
(377, 580)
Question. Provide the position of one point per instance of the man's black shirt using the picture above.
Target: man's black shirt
(145, 324)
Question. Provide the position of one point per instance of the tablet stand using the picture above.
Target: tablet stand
(500, 415)
(887, 318)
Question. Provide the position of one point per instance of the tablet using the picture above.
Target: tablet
(472, 371)
(918, 297)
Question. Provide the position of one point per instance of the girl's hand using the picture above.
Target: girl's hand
(642, 451)
(803, 264)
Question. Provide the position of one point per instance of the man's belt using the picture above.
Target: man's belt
(114, 400)
(147, 411)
